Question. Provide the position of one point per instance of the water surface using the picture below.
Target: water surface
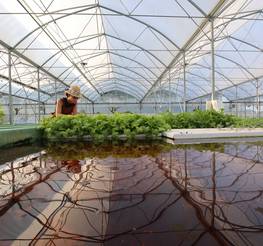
(140, 194)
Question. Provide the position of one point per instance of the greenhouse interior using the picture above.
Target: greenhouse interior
(131, 122)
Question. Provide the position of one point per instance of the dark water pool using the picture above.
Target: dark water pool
(140, 194)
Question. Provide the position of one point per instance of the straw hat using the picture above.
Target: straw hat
(74, 91)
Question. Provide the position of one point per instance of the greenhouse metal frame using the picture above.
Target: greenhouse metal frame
(141, 56)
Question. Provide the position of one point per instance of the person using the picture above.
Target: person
(68, 105)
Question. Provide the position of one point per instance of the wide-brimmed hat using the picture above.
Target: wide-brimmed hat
(74, 91)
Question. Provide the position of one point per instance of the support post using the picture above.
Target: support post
(10, 97)
(26, 111)
(184, 65)
(212, 60)
(258, 102)
(155, 101)
(245, 110)
(92, 107)
(38, 94)
(236, 102)
(170, 94)
(56, 96)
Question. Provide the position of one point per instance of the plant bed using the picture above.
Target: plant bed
(128, 126)
(102, 127)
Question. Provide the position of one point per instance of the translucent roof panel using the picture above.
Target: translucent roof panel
(132, 46)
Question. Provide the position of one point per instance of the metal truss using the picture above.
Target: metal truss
(92, 76)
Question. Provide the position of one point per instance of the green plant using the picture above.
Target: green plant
(199, 119)
(99, 127)
(249, 122)
(2, 114)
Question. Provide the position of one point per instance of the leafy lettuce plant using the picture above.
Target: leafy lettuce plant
(100, 127)
(2, 115)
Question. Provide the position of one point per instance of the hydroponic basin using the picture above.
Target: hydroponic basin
(140, 194)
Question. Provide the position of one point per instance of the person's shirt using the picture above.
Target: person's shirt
(64, 107)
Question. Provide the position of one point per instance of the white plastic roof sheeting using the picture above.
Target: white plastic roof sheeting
(131, 46)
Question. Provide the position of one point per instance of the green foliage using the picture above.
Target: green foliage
(199, 119)
(99, 127)
(2, 114)
(249, 122)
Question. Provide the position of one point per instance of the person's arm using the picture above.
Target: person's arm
(75, 110)
(58, 108)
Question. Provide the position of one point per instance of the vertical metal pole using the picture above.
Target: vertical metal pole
(185, 109)
(257, 93)
(92, 107)
(26, 111)
(236, 101)
(213, 60)
(170, 93)
(11, 117)
(38, 94)
(245, 110)
(56, 96)
(155, 101)
(140, 107)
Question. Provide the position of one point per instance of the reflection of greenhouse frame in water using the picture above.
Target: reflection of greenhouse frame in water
(70, 199)
(96, 179)
(219, 215)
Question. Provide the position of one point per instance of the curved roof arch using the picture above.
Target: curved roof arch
(125, 41)
(118, 90)
(110, 36)
(85, 8)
